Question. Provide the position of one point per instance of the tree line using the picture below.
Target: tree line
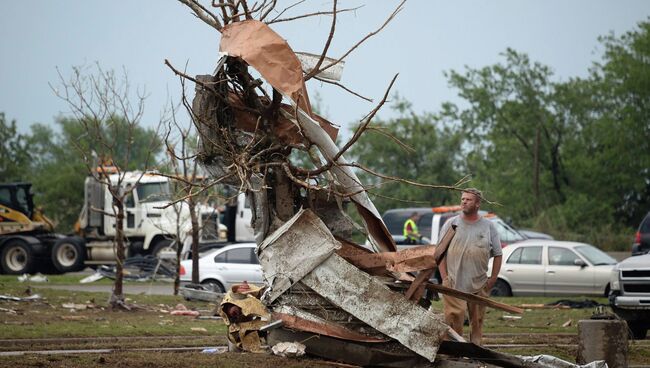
(571, 158)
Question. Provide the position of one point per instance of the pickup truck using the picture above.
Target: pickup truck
(630, 293)
(432, 219)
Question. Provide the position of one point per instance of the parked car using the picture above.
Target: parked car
(630, 296)
(221, 268)
(531, 234)
(553, 268)
(641, 243)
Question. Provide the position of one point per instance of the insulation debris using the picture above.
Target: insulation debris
(245, 315)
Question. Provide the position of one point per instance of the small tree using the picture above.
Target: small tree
(186, 176)
(101, 105)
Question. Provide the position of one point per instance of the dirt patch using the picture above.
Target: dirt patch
(161, 360)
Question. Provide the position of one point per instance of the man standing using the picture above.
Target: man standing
(411, 233)
(465, 265)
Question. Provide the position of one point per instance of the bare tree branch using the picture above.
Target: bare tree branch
(311, 15)
(204, 14)
(344, 87)
(390, 18)
(314, 70)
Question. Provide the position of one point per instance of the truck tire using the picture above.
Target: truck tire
(17, 257)
(68, 255)
(165, 245)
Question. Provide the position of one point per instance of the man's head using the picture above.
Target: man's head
(415, 216)
(470, 201)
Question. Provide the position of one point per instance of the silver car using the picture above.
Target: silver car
(221, 268)
(553, 268)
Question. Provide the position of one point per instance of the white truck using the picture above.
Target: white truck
(630, 293)
(149, 224)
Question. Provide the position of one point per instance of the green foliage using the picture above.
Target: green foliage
(428, 154)
(57, 162)
(571, 158)
(15, 152)
(516, 130)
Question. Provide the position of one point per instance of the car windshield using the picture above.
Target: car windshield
(153, 192)
(594, 255)
(506, 233)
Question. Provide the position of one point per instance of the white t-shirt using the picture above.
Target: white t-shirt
(469, 252)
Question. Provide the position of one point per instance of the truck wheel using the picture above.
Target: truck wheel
(165, 247)
(17, 257)
(68, 255)
(638, 332)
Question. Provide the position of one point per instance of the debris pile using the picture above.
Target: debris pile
(363, 306)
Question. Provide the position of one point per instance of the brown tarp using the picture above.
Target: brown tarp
(267, 52)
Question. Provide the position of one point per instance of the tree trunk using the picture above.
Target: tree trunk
(117, 298)
(195, 241)
(536, 173)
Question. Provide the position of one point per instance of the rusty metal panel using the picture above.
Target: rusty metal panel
(293, 250)
(375, 304)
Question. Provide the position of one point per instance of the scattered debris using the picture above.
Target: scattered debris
(506, 317)
(181, 310)
(216, 318)
(74, 318)
(75, 306)
(33, 278)
(567, 323)
(18, 299)
(217, 350)
(199, 292)
(289, 349)
(553, 362)
(9, 311)
(587, 303)
(244, 314)
(141, 268)
(198, 329)
(92, 278)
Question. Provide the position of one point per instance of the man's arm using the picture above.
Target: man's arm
(496, 267)
(443, 268)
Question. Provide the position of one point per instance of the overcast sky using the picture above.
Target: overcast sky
(424, 40)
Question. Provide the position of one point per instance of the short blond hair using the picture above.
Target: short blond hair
(474, 191)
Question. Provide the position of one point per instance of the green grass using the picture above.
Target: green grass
(68, 279)
(47, 318)
(534, 320)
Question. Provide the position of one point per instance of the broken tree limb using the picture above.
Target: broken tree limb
(474, 298)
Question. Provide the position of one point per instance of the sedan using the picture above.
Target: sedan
(222, 268)
(553, 268)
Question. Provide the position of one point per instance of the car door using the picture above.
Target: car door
(238, 265)
(524, 270)
(564, 277)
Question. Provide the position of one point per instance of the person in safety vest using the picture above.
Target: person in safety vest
(411, 233)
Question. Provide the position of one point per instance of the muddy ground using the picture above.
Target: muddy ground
(149, 336)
